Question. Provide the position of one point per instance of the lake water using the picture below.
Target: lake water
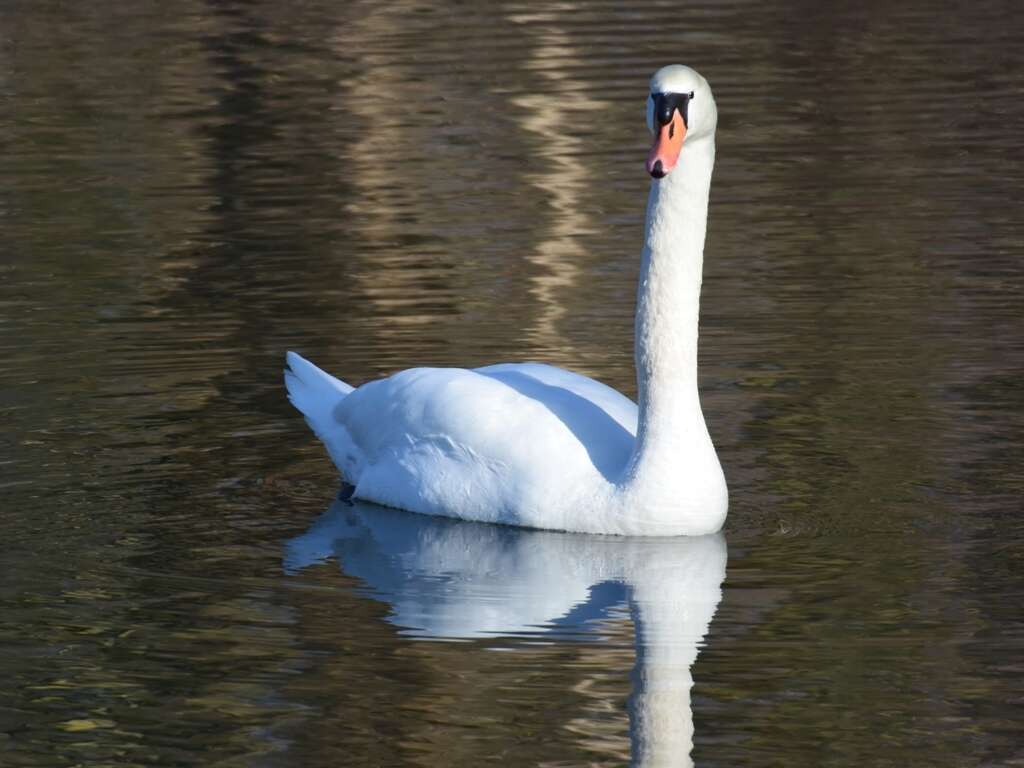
(190, 189)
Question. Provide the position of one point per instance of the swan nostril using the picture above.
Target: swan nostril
(657, 170)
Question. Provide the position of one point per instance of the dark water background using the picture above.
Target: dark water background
(189, 189)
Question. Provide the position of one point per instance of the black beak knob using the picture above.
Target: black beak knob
(667, 103)
(664, 111)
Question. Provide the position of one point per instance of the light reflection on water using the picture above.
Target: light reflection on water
(191, 190)
(446, 579)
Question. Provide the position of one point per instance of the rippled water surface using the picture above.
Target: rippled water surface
(190, 189)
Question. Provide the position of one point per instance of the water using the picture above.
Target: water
(190, 190)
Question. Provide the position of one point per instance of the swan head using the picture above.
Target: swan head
(680, 108)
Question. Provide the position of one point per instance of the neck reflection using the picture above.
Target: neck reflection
(451, 579)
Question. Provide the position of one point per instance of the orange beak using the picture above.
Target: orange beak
(665, 152)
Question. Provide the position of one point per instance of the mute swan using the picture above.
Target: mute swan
(533, 445)
(455, 579)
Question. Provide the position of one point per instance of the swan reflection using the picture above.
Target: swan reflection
(451, 579)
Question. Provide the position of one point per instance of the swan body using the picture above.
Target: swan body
(533, 445)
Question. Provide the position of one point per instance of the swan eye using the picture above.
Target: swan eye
(667, 103)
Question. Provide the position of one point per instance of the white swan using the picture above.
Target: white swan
(533, 445)
(454, 579)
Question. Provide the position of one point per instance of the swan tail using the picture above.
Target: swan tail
(316, 394)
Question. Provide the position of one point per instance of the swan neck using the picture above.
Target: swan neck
(668, 298)
(673, 479)
(668, 306)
